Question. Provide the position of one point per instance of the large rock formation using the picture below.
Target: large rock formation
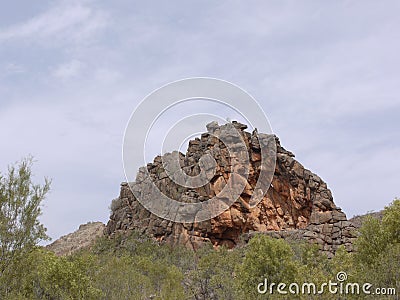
(298, 203)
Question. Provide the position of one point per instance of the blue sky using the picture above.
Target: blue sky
(326, 73)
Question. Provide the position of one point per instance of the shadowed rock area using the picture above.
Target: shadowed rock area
(297, 204)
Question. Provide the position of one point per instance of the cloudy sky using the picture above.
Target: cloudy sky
(327, 75)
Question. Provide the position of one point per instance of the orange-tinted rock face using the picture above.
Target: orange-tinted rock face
(297, 201)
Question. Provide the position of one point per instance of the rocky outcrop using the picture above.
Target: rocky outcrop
(84, 237)
(297, 203)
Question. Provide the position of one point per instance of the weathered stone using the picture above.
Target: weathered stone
(211, 127)
(319, 217)
(338, 216)
(327, 228)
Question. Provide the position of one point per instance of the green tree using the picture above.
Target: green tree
(377, 259)
(391, 221)
(20, 201)
(265, 258)
(212, 275)
(372, 241)
(40, 274)
(314, 266)
(121, 276)
(342, 262)
(376, 236)
(387, 269)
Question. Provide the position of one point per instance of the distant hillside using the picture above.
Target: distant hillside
(358, 220)
(81, 238)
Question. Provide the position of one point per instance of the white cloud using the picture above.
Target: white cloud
(107, 75)
(13, 68)
(65, 21)
(69, 70)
